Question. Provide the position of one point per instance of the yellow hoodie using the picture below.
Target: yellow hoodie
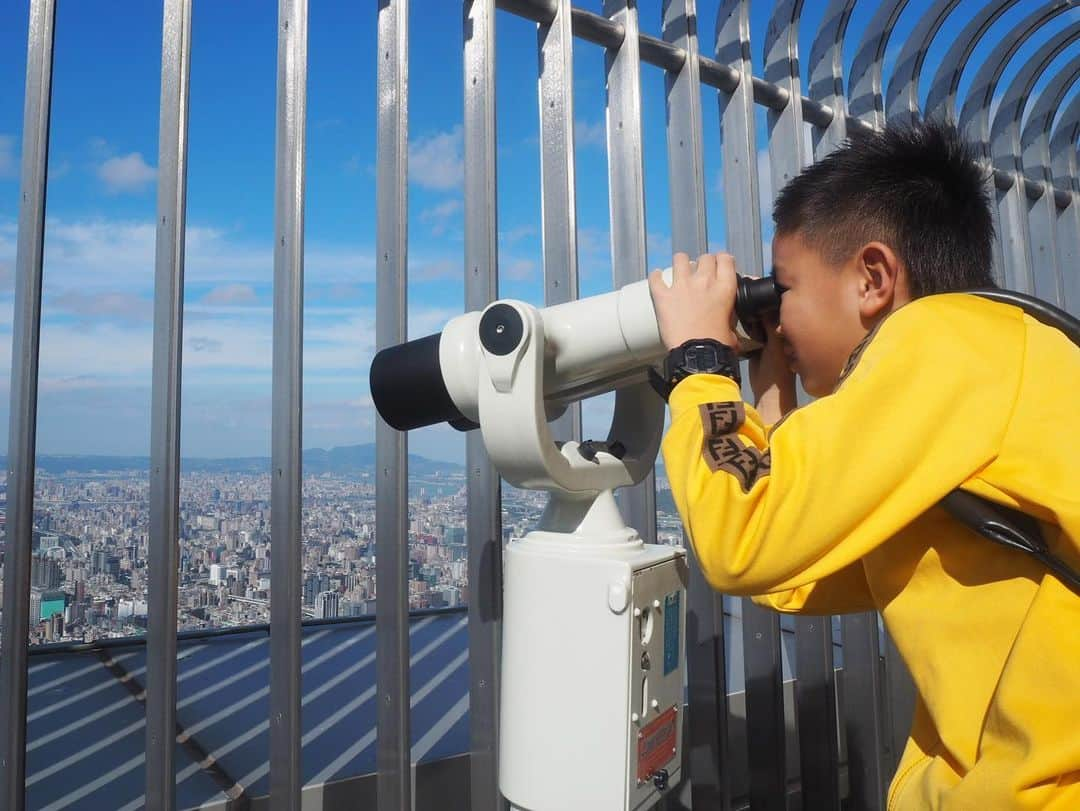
(833, 510)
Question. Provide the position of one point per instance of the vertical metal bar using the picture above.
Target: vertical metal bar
(707, 689)
(626, 195)
(815, 685)
(761, 628)
(22, 420)
(815, 680)
(165, 411)
(391, 447)
(286, 443)
(901, 692)
(483, 513)
(862, 710)
(557, 179)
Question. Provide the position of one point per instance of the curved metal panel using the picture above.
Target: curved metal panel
(1035, 137)
(1012, 257)
(975, 112)
(1005, 130)
(1005, 146)
(1063, 160)
(902, 96)
(941, 100)
(1063, 147)
(827, 74)
(865, 100)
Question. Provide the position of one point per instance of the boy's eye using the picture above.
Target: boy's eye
(780, 289)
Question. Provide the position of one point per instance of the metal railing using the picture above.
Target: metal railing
(1035, 189)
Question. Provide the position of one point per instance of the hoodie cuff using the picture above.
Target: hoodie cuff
(693, 391)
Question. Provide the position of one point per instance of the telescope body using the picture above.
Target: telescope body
(591, 346)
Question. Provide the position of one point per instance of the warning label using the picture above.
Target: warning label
(656, 746)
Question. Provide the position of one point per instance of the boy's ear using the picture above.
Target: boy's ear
(882, 280)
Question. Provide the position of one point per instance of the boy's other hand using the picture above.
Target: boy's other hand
(700, 303)
(771, 378)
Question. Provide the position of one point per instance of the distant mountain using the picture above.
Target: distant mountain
(341, 460)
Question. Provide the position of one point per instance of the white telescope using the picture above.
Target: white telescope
(593, 618)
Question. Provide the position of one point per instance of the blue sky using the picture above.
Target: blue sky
(98, 287)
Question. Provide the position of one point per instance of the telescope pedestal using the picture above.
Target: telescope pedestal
(592, 683)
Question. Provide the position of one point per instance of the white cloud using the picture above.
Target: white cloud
(117, 306)
(230, 294)
(200, 344)
(437, 269)
(519, 269)
(586, 134)
(129, 173)
(440, 216)
(516, 234)
(9, 164)
(437, 161)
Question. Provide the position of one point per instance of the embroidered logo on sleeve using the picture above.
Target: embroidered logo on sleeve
(722, 450)
(718, 419)
(745, 463)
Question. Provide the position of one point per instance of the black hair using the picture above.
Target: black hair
(918, 189)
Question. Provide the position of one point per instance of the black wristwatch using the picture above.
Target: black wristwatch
(697, 356)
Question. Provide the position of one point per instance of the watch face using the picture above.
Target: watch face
(702, 356)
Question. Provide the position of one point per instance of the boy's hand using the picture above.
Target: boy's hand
(771, 378)
(700, 303)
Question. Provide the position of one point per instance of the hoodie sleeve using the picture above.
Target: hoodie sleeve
(918, 411)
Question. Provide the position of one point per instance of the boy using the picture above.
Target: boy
(834, 507)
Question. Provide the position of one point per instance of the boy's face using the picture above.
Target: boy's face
(821, 321)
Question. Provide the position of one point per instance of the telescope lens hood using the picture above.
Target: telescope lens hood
(755, 297)
(408, 389)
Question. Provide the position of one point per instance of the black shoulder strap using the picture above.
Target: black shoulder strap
(1000, 524)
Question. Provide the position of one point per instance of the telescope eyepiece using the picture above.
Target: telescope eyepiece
(756, 297)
